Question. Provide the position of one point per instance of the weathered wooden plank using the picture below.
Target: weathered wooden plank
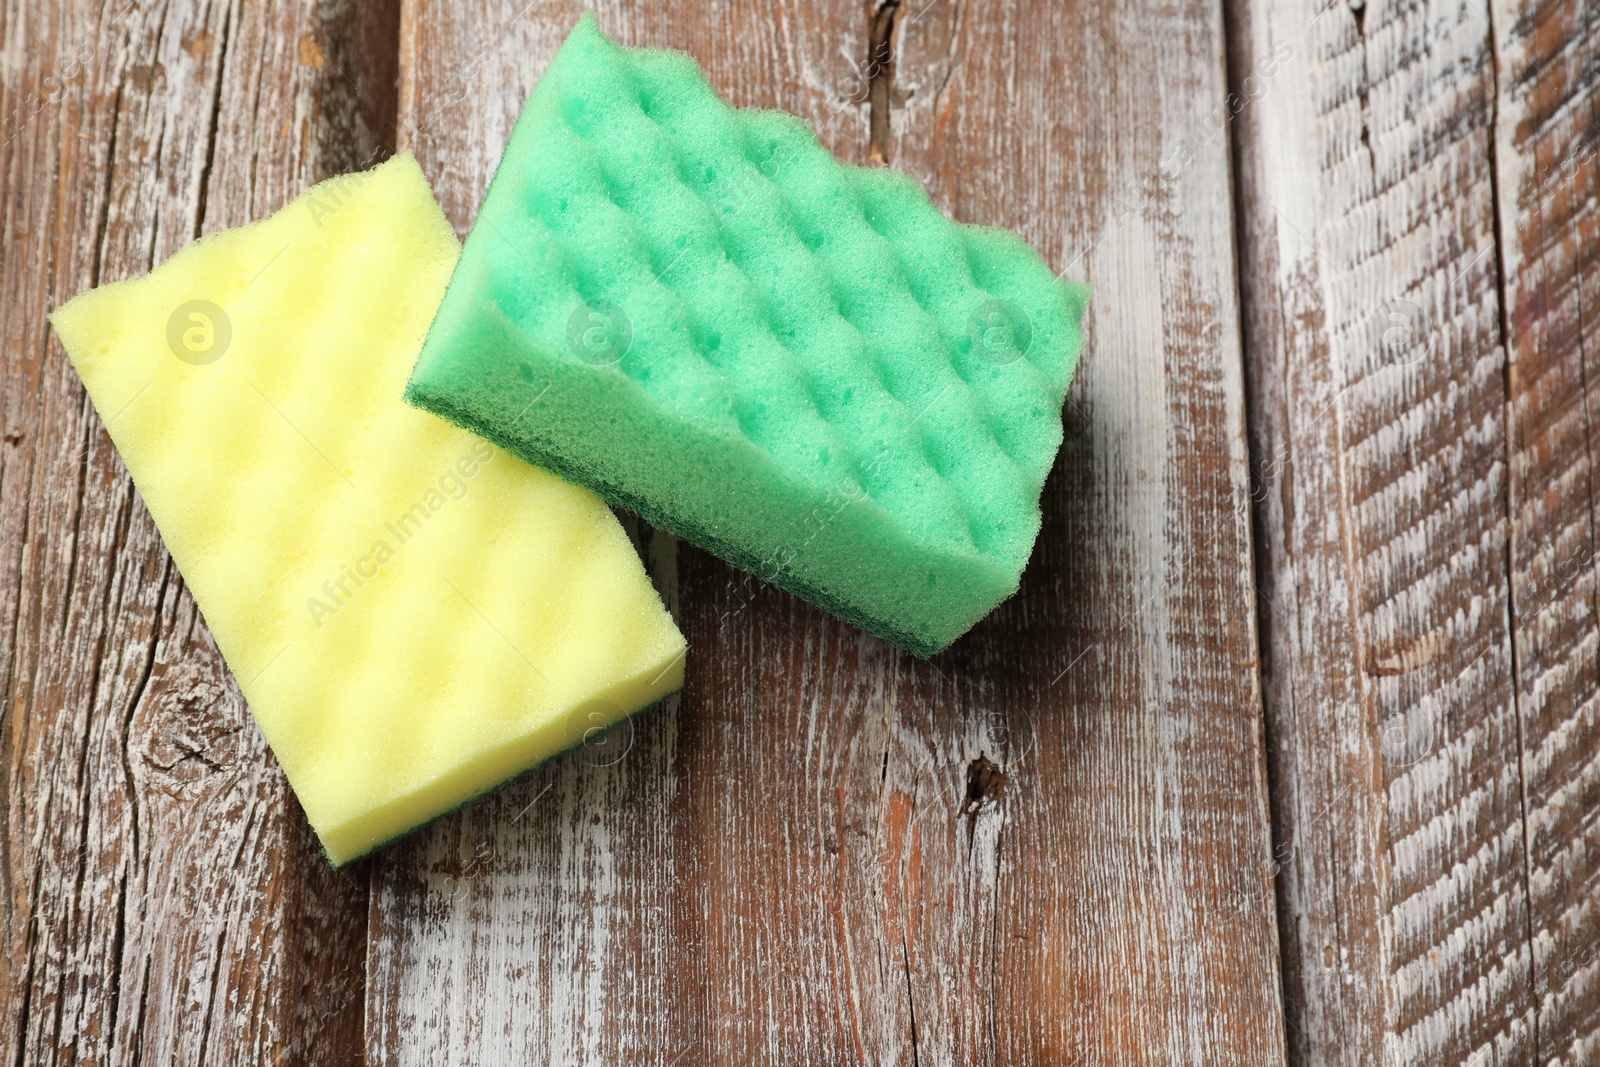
(1378, 385)
(1546, 135)
(1048, 845)
(1127, 666)
(163, 901)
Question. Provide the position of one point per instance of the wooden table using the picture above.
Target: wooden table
(1288, 749)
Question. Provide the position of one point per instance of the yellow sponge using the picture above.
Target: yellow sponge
(413, 615)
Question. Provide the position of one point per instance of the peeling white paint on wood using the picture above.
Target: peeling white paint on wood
(1397, 559)
(1547, 131)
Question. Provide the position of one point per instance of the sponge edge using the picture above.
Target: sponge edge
(413, 616)
(803, 367)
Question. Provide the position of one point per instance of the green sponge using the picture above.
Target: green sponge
(801, 366)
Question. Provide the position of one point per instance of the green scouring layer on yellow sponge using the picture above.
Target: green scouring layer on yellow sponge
(802, 366)
(413, 616)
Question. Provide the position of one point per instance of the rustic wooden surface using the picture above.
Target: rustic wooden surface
(163, 902)
(1417, 207)
(1049, 845)
(1547, 139)
(1332, 529)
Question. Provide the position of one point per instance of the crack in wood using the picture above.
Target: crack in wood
(1501, 722)
(1508, 547)
(911, 998)
(216, 117)
(880, 75)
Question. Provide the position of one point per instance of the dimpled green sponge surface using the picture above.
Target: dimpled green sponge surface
(802, 366)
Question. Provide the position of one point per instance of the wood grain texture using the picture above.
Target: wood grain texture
(1152, 940)
(162, 899)
(1547, 137)
(1048, 845)
(1384, 477)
